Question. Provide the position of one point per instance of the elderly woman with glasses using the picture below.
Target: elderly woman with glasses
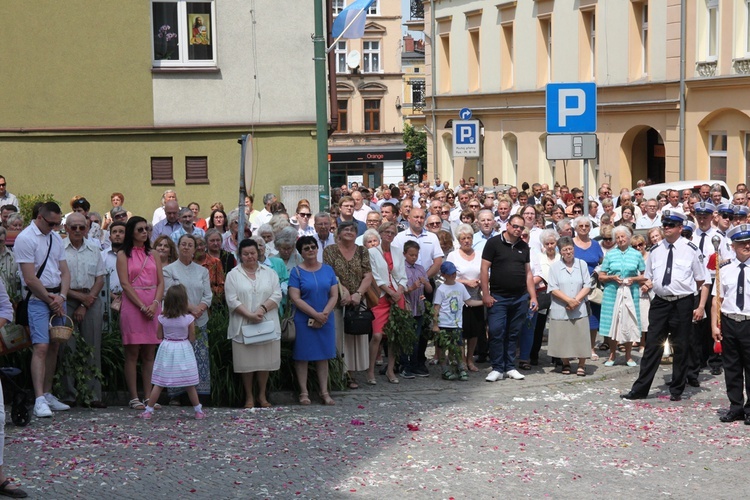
(622, 276)
(589, 251)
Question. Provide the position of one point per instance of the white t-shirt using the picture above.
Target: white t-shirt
(451, 299)
(467, 269)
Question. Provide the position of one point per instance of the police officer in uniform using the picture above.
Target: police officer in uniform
(702, 343)
(734, 331)
(676, 271)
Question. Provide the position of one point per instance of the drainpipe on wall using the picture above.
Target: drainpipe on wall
(435, 135)
(683, 30)
(321, 110)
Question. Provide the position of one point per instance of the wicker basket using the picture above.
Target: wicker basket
(60, 333)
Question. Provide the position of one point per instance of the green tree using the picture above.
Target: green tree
(416, 143)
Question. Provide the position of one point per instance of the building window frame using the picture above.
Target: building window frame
(172, 45)
(162, 171)
(374, 9)
(747, 28)
(372, 117)
(717, 155)
(341, 67)
(343, 116)
(371, 56)
(644, 38)
(337, 6)
(712, 30)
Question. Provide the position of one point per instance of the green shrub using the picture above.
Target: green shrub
(26, 204)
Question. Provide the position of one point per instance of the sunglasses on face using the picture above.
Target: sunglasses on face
(577, 211)
(516, 226)
(308, 248)
(606, 239)
(77, 228)
(726, 216)
(304, 215)
(141, 229)
(669, 225)
(434, 224)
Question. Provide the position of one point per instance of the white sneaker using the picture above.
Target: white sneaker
(55, 404)
(494, 376)
(41, 409)
(515, 375)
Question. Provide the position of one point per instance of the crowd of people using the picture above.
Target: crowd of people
(490, 268)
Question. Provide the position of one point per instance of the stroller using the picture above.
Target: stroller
(20, 399)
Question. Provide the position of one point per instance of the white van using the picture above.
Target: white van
(654, 189)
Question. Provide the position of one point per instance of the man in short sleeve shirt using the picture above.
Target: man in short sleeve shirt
(48, 294)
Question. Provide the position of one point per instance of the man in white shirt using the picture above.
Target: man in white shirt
(159, 213)
(39, 245)
(623, 199)
(486, 230)
(673, 202)
(651, 219)
(84, 305)
(265, 215)
(323, 234)
(360, 209)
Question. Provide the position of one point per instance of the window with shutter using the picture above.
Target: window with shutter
(161, 171)
(196, 170)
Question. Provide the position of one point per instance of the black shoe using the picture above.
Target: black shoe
(631, 396)
(731, 416)
(421, 371)
(716, 370)
(747, 420)
(675, 397)
(694, 383)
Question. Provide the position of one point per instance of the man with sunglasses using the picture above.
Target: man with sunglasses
(702, 342)
(84, 306)
(39, 245)
(675, 269)
(6, 198)
(508, 292)
(734, 331)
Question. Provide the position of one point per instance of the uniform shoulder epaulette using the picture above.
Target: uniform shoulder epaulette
(693, 246)
(722, 264)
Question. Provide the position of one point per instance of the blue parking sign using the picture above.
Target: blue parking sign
(466, 138)
(571, 108)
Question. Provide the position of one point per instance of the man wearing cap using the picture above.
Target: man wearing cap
(732, 328)
(675, 269)
(508, 292)
(702, 343)
(740, 214)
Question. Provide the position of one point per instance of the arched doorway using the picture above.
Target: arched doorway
(644, 154)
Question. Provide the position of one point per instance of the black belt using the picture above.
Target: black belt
(672, 298)
(56, 289)
(81, 290)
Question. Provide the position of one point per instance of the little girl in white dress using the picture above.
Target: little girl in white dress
(175, 364)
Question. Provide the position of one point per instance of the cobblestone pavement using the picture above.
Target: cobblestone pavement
(549, 435)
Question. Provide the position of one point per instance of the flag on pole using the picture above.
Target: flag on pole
(350, 23)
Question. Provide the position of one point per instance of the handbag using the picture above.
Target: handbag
(596, 294)
(260, 333)
(116, 302)
(22, 309)
(288, 328)
(358, 320)
(14, 337)
(372, 295)
(544, 300)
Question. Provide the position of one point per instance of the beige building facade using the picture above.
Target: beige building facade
(367, 145)
(496, 58)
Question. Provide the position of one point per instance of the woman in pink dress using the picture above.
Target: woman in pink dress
(143, 287)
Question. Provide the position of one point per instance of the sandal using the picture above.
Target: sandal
(157, 406)
(565, 370)
(136, 404)
(304, 399)
(450, 375)
(463, 376)
(524, 365)
(594, 356)
(581, 372)
(11, 492)
(351, 383)
(327, 400)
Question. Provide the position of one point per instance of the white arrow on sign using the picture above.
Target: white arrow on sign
(465, 114)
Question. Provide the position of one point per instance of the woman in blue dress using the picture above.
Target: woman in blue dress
(313, 289)
(622, 266)
(590, 252)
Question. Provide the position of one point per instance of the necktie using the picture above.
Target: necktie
(741, 288)
(668, 273)
(700, 245)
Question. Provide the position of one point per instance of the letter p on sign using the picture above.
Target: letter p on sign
(571, 108)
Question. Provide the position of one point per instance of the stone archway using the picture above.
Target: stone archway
(644, 155)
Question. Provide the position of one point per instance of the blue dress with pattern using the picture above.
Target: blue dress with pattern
(591, 256)
(627, 264)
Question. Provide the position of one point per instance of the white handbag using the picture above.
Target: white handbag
(259, 333)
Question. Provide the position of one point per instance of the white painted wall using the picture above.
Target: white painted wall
(284, 89)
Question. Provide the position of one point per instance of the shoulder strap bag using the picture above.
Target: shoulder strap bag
(22, 309)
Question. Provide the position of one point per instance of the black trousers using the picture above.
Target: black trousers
(702, 343)
(536, 346)
(665, 317)
(736, 353)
